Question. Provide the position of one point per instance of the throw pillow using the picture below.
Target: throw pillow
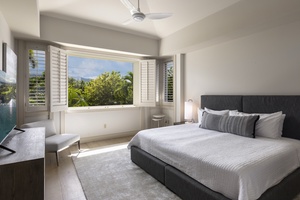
(238, 125)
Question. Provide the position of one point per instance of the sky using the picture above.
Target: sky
(90, 68)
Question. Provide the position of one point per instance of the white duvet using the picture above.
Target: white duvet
(238, 167)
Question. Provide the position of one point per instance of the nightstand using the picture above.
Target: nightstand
(178, 123)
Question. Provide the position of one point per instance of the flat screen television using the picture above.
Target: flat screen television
(8, 115)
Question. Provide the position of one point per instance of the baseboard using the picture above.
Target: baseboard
(107, 136)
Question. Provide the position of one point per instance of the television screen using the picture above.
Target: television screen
(8, 115)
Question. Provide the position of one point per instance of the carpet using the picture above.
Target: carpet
(110, 174)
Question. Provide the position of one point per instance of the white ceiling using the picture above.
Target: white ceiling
(23, 16)
(112, 13)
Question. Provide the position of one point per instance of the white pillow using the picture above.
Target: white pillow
(268, 125)
(281, 124)
(216, 112)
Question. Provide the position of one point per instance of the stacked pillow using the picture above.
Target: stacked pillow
(268, 125)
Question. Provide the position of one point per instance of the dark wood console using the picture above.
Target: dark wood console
(22, 174)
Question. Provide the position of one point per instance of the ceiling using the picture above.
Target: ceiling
(23, 17)
(112, 13)
(109, 14)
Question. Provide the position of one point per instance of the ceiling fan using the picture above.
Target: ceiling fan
(138, 16)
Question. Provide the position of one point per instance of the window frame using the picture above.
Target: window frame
(104, 56)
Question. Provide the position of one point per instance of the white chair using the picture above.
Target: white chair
(54, 142)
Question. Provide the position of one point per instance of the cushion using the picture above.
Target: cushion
(238, 125)
(216, 112)
(48, 124)
(268, 125)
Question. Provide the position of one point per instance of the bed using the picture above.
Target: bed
(172, 163)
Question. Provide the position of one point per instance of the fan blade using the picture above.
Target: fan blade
(130, 6)
(155, 16)
(129, 21)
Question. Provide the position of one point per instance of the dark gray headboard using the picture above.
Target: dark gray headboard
(289, 105)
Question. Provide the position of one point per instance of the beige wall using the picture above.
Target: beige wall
(254, 53)
(266, 62)
(57, 30)
(5, 36)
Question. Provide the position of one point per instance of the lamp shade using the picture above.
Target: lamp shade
(188, 110)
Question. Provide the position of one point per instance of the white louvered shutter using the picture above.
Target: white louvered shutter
(58, 79)
(148, 83)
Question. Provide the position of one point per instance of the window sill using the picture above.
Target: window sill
(100, 108)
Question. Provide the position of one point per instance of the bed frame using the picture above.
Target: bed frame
(188, 188)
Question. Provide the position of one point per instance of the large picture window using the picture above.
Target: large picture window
(99, 81)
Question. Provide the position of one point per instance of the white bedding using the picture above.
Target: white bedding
(238, 167)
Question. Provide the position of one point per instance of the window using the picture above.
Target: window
(36, 87)
(168, 81)
(99, 81)
(57, 79)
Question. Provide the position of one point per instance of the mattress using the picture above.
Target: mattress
(237, 167)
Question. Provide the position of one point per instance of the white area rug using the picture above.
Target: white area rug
(109, 173)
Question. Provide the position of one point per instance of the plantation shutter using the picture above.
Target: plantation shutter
(148, 83)
(157, 84)
(58, 79)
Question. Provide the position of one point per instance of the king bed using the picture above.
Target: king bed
(238, 152)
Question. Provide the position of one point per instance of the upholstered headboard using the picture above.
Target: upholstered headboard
(289, 105)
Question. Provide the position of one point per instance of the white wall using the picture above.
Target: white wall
(57, 30)
(91, 125)
(5, 36)
(267, 62)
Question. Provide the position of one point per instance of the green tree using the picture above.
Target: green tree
(75, 93)
(75, 98)
(129, 87)
(107, 89)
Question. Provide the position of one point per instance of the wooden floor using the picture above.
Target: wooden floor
(62, 182)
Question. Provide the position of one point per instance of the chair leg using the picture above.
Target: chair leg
(78, 143)
(57, 158)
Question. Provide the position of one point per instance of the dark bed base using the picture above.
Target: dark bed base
(188, 188)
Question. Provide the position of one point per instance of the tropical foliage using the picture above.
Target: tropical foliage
(109, 88)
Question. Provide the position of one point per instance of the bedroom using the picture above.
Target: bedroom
(254, 54)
